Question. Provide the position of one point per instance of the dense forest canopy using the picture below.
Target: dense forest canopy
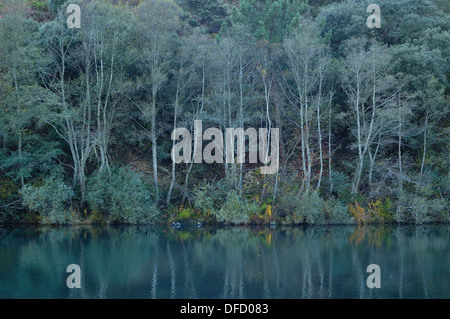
(86, 114)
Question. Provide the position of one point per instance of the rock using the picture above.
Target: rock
(176, 225)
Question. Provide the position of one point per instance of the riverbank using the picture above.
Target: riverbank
(231, 208)
(202, 221)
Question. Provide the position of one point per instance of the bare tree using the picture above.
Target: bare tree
(307, 59)
(72, 121)
(432, 108)
(88, 115)
(185, 75)
(158, 23)
(365, 79)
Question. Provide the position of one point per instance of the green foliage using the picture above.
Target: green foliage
(266, 205)
(270, 20)
(203, 200)
(338, 213)
(425, 210)
(342, 186)
(312, 206)
(127, 70)
(236, 210)
(40, 5)
(286, 199)
(50, 199)
(9, 198)
(121, 196)
(402, 21)
(208, 13)
(380, 211)
(421, 210)
(185, 214)
(55, 5)
(8, 189)
(309, 209)
(38, 160)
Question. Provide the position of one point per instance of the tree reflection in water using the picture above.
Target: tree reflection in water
(139, 262)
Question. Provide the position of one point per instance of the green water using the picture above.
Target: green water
(140, 262)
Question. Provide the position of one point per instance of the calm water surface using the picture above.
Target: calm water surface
(140, 262)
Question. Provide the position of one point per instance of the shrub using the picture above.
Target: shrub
(403, 211)
(428, 210)
(187, 213)
(49, 199)
(122, 195)
(358, 213)
(419, 209)
(9, 192)
(381, 212)
(8, 189)
(203, 200)
(40, 5)
(313, 206)
(184, 214)
(338, 213)
(309, 208)
(236, 210)
(286, 204)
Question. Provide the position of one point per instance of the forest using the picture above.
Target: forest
(86, 114)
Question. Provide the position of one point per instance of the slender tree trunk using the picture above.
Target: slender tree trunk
(279, 124)
(372, 160)
(319, 132)
(400, 124)
(425, 135)
(172, 182)
(269, 124)
(329, 146)
(19, 151)
(362, 151)
(308, 149)
(361, 158)
(302, 132)
(241, 122)
(186, 179)
(103, 124)
(154, 146)
(233, 165)
(19, 128)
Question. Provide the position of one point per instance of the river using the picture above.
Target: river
(225, 262)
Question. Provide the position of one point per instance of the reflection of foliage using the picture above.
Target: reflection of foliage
(228, 262)
(375, 236)
(357, 236)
